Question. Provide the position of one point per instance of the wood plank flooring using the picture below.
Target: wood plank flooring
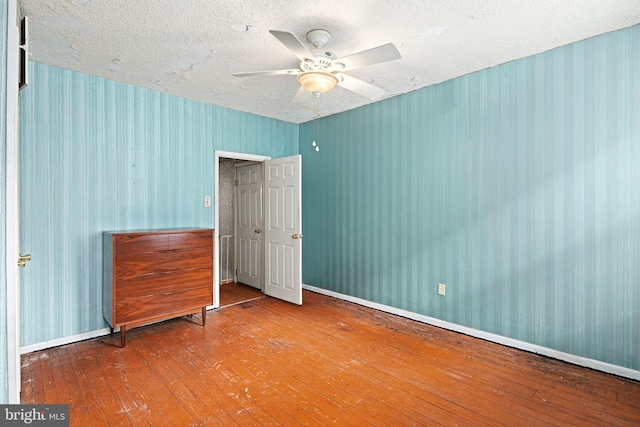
(327, 362)
(234, 293)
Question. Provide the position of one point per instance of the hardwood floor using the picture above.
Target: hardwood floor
(266, 362)
(234, 293)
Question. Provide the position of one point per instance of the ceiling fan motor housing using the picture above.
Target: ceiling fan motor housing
(321, 64)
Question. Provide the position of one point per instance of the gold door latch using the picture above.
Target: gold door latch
(22, 260)
(296, 236)
(257, 231)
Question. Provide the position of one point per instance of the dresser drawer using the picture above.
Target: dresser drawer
(162, 283)
(161, 262)
(141, 243)
(190, 239)
(159, 305)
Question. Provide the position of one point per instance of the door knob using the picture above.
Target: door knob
(296, 236)
(22, 260)
(257, 231)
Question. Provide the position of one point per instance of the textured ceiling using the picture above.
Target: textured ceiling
(190, 48)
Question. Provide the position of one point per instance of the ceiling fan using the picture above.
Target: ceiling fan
(321, 70)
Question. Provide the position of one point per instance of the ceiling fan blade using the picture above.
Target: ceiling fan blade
(293, 44)
(292, 72)
(360, 87)
(376, 55)
(302, 95)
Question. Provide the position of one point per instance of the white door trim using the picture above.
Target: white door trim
(216, 196)
(12, 222)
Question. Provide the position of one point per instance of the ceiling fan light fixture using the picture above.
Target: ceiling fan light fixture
(318, 81)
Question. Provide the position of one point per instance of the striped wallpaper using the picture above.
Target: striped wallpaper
(518, 187)
(99, 155)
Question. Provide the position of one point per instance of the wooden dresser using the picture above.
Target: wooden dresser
(156, 275)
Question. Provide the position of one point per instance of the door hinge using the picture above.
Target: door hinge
(22, 260)
(236, 182)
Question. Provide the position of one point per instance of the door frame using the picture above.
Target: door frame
(12, 219)
(216, 221)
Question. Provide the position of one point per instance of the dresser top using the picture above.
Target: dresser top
(163, 230)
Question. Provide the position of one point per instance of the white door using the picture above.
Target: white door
(283, 229)
(249, 224)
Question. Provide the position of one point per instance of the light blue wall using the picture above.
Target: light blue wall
(517, 186)
(99, 155)
(3, 164)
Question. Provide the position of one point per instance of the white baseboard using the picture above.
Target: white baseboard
(66, 340)
(80, 337)
(499, 339)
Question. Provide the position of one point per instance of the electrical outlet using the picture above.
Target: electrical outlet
(441, 289)
(207, 201)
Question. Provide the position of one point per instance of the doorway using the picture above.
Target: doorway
(281, 245)
(227, 290)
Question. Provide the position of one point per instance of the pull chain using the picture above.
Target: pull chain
(315, 125)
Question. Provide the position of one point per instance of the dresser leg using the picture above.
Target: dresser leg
(123, 333)
(204, 315)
